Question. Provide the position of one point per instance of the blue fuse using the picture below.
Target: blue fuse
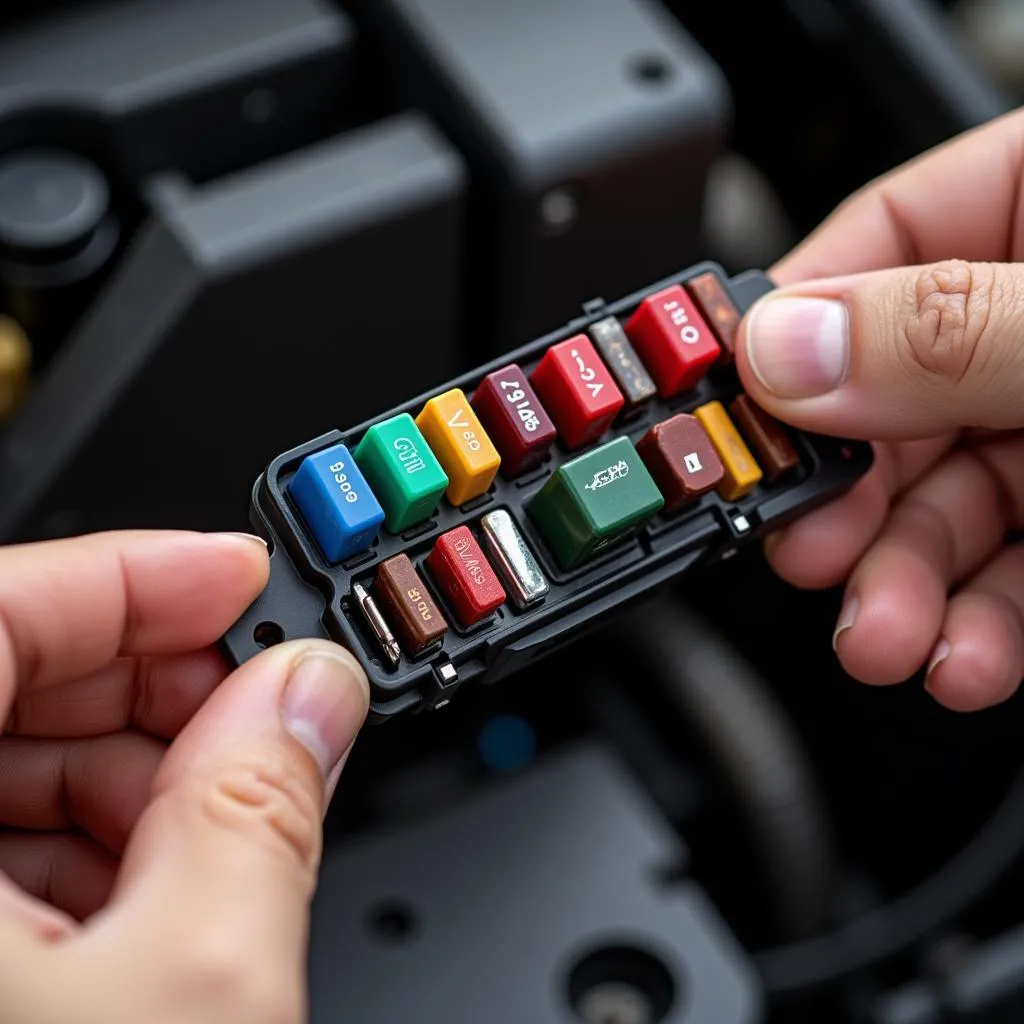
(337, 503)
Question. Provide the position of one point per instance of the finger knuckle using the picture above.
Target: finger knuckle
(263, 798)
(948, 318)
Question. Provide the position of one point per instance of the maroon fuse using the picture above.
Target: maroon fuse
(513, 417)
(680, 456)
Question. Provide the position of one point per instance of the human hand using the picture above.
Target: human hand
(927, 361)
(147, 882)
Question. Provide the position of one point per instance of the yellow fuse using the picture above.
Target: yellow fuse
(742, 473)
(462, 447)
(15, 363)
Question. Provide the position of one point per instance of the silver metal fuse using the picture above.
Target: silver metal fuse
(514, 560)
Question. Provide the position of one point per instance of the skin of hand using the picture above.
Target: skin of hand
(901, 321)
(160, 820)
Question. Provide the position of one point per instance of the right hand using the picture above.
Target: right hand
(901, 321)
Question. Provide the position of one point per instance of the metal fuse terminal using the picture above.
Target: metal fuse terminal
(378, 625)
(514, 560)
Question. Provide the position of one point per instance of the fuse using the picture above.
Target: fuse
(402, 595)
(742, 472)
(765, 433)
(634, 381)
(336, 502)
(577, 390)
(681, 458)
(595, 500)
(513, 415)
(673, 340)
(402, 471)
(461, 445)
(710, 295)
(465, 577)
(509, 552)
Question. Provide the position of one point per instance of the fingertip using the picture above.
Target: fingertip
(296, 651)
(249, 553)
(325, 702)
(894, 626)
(979, 661)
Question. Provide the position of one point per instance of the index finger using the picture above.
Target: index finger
(960, 201)
(69, 607)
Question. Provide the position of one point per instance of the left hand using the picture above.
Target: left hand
(159, 841)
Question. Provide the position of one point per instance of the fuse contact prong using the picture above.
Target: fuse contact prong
(377, 623)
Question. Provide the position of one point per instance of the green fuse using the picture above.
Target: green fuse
(595, 500)
(402, 471)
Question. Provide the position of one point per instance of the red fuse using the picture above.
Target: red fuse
(514, 419)
(464, 576)
(673, 340)
(577, 390)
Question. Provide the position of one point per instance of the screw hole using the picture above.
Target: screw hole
(268, 634)
(621, 985)
(651, 69)
(392, 923)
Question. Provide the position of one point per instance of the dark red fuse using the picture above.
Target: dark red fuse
(673, 340)
(514, 419)
(465, 577)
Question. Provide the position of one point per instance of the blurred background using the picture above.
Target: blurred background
(227, 226)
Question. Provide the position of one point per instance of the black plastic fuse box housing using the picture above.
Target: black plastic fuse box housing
(308, 597)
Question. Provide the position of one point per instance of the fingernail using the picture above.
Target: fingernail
(846, 619)
(939, 655)
(324, 706)
(335, 777)
(797, 347)
(250, 538)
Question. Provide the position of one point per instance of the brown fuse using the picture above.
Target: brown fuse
(774, 449)
(718, 309)
(680, 456)
(407, 604)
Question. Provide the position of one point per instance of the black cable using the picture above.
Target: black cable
(898, 926)
(752, 745)
(748, 737)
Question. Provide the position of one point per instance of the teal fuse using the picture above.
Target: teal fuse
(402, 470)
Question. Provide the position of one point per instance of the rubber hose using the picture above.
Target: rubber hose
(898, 926)
(756, 752)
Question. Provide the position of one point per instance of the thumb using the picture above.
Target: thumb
(221, 867)
(893, 354)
